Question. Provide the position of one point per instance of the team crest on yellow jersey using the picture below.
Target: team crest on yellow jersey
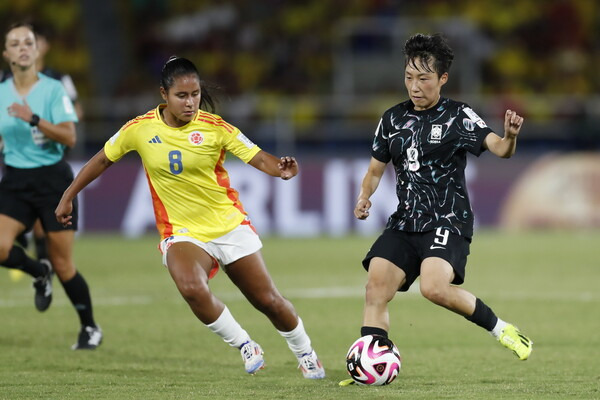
(196, 138)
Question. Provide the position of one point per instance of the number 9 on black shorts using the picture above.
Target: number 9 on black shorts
(407, 250)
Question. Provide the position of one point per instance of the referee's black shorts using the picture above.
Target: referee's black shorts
(407, 250)
(27, 194)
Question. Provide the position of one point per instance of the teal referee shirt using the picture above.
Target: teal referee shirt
(26, 146)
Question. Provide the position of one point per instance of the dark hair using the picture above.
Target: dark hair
(426, 47)
(19, 24)
(179, 66)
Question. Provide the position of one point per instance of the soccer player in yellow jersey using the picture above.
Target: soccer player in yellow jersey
(200, 218)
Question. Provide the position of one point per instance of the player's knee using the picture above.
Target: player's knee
(63, 267)
(193, 290)
(378, 292)
(434, 292)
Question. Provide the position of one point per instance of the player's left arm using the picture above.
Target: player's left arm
(505, 147)
(285, 167)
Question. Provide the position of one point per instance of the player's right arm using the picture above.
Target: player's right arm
(369, 184)
(90, 171)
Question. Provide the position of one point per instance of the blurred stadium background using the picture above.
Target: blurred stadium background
(311, 78)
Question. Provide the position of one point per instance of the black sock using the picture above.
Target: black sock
(18, 259)
(78, 292)
(483, 316)
(40, 248)
(371, 330)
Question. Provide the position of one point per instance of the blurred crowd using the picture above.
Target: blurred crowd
(286, 48)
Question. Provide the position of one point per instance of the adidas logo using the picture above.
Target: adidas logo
(155, 139)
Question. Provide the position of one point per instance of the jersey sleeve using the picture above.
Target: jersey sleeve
(61, 106)
(120, 143)
(472, 130)
(380, 149)
(237, 143)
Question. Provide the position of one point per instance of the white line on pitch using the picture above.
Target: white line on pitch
(294, 293)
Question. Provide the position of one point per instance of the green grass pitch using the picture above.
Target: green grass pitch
(548, 284)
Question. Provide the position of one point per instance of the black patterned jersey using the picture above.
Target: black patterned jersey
(429, 152)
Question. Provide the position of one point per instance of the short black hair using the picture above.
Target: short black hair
(426, 47)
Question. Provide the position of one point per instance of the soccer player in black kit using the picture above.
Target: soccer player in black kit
(427, 139)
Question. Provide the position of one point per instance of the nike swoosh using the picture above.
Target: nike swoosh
(437, 247)
(394, 134)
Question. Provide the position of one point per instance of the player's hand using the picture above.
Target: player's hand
(288, 167)
(361, 211)
(63, 212)
(21, 111)
(512, 124)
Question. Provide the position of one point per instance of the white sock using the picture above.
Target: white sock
(229, 330)
(297, 340)
(497, 331)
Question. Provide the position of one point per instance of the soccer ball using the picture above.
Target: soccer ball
(373, 360)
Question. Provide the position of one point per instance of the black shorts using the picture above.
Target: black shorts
(407, 250)
(29, 194)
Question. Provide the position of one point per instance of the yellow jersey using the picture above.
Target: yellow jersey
(190, 188)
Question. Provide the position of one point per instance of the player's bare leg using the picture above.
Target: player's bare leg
(384, 280)
(436, 277)
(10, 229)
(60, 253)
(250, 275)
(190, 266)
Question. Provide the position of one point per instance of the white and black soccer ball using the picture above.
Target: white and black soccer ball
(373, 360)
